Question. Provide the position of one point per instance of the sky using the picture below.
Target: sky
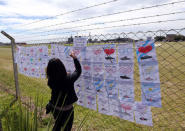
(24, 19)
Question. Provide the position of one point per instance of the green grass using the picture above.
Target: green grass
(170, 117)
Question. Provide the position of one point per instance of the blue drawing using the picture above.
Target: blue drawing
(151, 94)
(112, 91)
(98, 83)
(145, 50)
(67, 51)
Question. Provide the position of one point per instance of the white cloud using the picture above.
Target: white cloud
(16, 13)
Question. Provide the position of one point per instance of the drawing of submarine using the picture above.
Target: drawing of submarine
(124, 58)
(149, 79)
(151, 100)
(126, 96)
(109, 58)
(143, 119)
(124, 77)
(146, 57)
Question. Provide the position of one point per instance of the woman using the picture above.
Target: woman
(63, 94)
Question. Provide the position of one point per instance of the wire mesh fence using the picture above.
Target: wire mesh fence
(171, 60)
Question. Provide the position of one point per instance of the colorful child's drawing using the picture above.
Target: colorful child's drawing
(127, 111)
(86, 68)
(126, 71)
(151, 94)
(110, 53)
(145, 51)
(103, 105)
(89, 85)
(97, 53)
(79, 51)
(70, 68)
(80, 41)
(143, 114)
(98, 83)
(79, 86)
(111, 87)
(114, 107)
(149, 72)
(125, 53)
(97, 69)
(91, 101)
(126, 91)
(110, 69)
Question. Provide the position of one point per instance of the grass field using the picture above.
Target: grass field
(171, 116)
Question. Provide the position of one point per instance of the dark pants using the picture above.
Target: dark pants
(63, 120)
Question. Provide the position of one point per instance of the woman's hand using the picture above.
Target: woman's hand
(73, 55)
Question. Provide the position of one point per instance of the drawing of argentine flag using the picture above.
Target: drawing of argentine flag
(145, 51)
(98, 83)
(67, 50)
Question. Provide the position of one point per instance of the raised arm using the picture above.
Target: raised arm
(78, 70)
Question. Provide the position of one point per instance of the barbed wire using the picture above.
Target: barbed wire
(108, 22)
(65, 13)
(108, 27)
(109, 14)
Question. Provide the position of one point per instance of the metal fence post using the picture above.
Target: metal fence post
(14, 63)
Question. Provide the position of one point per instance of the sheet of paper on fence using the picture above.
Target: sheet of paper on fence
(86, 68)
(114, 107)
(97, 69)
(34, 71)
(79, 86)
(109, 53)
(103, 105)
(91, 101)
(43, 72)
(125, 53)
(127, 111)
(126, 71)
(98, 83)
(126, 91)
(67, 51)
(149, 72)
(151, 94)
(110, 70)
(79, 89)
(88, 84)
(17, 54)
(97, 53)
(145, 51)
(143, 114)
(79, 51)
(70, 67)
(80, 41)
(111, 87)
(86, 54)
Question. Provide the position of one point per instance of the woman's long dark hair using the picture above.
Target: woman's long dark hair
(56, 73)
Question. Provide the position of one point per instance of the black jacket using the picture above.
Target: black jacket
(65, 93)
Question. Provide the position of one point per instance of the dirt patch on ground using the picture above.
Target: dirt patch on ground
(26, 101)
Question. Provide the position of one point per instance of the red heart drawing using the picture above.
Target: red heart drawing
(33, 70)
(25, 69)
(40, 50)
(109, 51)
(145, 49)
(97, 52)
(86, 67)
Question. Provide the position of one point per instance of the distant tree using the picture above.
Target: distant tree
(159, 38)
(179, 38)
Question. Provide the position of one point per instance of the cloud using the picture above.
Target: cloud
(15, 16)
